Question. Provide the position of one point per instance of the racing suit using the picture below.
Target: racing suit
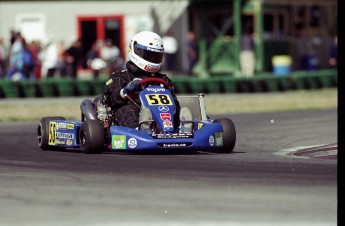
(125, 112)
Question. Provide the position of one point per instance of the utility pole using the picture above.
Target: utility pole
(237, 31)
(259, 43)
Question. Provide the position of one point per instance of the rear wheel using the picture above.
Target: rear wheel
(229, 134)
(43, 133)
(91, 137)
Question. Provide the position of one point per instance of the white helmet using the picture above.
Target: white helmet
(146, 51)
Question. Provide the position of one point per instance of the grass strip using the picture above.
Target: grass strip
(33, 109)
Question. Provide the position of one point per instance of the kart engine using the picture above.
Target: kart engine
(103, 115)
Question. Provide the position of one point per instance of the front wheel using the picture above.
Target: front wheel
(229, 134)
(91, 137)
(43, 130)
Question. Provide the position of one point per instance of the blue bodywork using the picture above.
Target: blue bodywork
(207, 137)
(206, 134)
(63, 133)
(162, 105)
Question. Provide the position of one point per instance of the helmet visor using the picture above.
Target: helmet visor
(152, 55)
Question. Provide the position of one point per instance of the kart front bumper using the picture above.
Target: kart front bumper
(210, 136)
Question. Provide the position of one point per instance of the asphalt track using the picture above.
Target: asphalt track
(251, 186)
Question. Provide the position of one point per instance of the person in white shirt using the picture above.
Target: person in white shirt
(170, 50)
(50, 60)
(110, 54)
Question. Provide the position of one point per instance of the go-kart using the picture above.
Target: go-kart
(94, 135)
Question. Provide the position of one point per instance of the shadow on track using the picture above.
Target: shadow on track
(150, 152)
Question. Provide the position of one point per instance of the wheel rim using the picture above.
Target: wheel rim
(39, 135)
(82, 139)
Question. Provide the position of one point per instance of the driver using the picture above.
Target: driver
(145, 58)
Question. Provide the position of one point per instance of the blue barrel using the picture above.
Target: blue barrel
(281, 65)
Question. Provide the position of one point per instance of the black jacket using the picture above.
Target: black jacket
(120, 79)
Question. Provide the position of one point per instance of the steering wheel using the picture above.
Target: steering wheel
(147, 81)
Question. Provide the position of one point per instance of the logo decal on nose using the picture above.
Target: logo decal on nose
(163, 108)
(165, 116)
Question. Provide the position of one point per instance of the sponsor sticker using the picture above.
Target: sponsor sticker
(64, 135)
(155, 50)
(167, 124)
(61, 125)
(132, 143)
(174, 145)
(219, 138)
(69, 142)
(70, 126)
(150, 69)
(163, 108)
(109, 82)
(118, 142)
(60, 141)
(211, 140)
(155, 89)
(172, 135)
(165, 116)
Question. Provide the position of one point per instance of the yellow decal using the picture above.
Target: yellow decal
(200, 125)
(158, 99)
(69, 142)
(109, 82)
(52, 133)
(70, 126)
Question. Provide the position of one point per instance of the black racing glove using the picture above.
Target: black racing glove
(131, 87)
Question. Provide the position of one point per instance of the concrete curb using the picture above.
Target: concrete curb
(329, 151)
(322, 151)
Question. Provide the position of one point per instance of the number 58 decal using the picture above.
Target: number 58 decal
(52, 133)
(158, 99)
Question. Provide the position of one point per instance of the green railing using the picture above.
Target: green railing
(216, 58)
(221, 57)
(265, 82)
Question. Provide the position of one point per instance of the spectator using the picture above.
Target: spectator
(333, 57)
(28, 62)
(50, 60)
(94, 60)
(13, 37)
(170, 49)
(3, 58)
(35, 48)
(111, 55)
(247, 55)
(15, 71)
(72, 58)
(192, 52)
(61, 59)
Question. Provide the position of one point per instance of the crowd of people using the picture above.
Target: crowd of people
(21, 60)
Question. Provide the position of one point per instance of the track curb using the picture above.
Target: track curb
(322, 151)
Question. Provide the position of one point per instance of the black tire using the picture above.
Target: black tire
(229, 134)
(43, 133)
(91, 137)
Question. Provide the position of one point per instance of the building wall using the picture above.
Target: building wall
(61, 17)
